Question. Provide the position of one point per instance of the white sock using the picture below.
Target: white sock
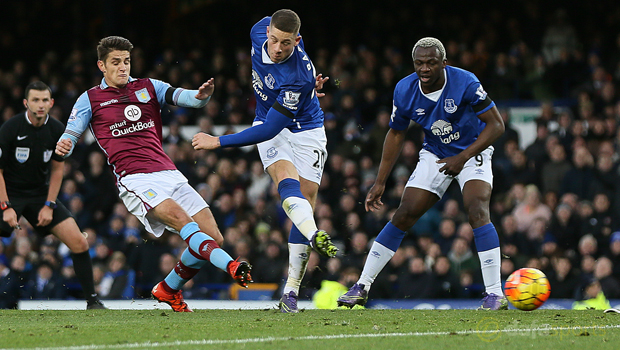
(378, 257)
(490, 261)
(301, 214)
(297, 261)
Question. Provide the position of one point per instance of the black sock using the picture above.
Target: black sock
(84, 272)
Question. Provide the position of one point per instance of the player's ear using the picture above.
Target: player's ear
(26, 103)
(51, 102)
(297, 40)
(101, 66)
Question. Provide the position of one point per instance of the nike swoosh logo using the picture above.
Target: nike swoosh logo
(19, 138)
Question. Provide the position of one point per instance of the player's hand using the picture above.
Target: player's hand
(206, 89)
(10, 217)
(63, 147)
(319, 85)
(452, 165)
(45, 216)
(205, 141)
(373, 198)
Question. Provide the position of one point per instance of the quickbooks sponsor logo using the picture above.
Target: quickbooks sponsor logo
(139, 126)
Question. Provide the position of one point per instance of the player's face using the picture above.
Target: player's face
(428, 64)
(280, 44)
(116, 68)
(38, 103)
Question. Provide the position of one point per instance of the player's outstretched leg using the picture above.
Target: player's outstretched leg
(299, 210)
(203, 246)
(355, 296)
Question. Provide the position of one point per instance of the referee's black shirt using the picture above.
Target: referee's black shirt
(25, 154)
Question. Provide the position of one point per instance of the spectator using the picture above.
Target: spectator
(603, 269)
(326, 297)
(445, 284)
(591, 297)
(531, 209)
(565, 227)
(562, 278)
(269, 266)
(44, 285)
(114, 281)
(9, 287)
(417, 283)
(579, 178)
(553, 172)
(461, 257)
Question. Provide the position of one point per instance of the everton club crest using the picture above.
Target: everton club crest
(450, 106)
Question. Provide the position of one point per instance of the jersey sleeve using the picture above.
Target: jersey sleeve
(291, 97)
(160, 90)
(398, 121)
(478, 98)
(79, 119)
(6, 138)
(258, 34)
(57, 130)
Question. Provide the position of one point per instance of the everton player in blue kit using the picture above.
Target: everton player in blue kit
(460, 123)
(288, 129)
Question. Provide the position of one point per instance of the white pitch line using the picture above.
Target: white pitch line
(311, 337)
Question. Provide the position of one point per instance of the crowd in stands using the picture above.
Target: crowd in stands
(556, 201)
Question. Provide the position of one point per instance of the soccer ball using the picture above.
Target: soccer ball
(527, 289)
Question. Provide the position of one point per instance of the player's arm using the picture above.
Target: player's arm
(77, 124)
(392, 146)
(8, 215)
(492, 131)
(46, 213)
(277, 118)
(182, 97)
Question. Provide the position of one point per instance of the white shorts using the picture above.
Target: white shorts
(427, 176)
(307, 150)
(142, 192)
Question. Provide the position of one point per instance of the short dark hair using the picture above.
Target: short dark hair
(111, 43)
(36, 85)
(286, 21)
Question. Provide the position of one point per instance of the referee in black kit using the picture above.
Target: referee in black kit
(30, 178)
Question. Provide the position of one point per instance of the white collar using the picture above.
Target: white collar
(434, 96)
(47, 117)
(267, 59)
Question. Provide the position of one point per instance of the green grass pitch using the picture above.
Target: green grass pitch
(310, 329)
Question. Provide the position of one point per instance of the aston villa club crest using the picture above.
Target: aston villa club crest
(143, 95)
(449, 106)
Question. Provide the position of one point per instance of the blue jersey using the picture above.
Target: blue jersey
(289, 83)
(449, 116)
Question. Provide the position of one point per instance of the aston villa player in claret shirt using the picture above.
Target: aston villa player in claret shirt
(124, 116)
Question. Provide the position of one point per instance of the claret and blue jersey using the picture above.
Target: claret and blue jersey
(290, 83)
(449, 116)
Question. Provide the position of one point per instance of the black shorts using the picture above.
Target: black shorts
(29, 207)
